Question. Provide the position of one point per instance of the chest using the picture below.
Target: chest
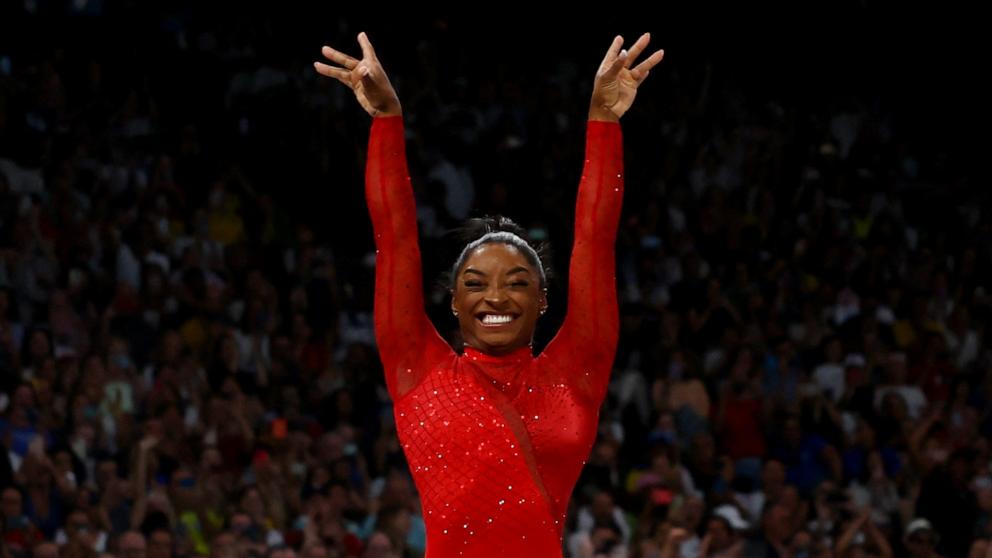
(461, 413)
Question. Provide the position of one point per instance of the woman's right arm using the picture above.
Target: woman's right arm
(403, 331)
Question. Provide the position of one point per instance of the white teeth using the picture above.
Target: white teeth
(496, 319)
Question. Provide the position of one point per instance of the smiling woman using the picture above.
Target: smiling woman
(495, 436)
(498, 287)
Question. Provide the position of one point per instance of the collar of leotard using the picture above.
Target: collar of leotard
(517, 355)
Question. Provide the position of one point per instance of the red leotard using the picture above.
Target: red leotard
(495, 443)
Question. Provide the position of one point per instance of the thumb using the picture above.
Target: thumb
(364, 75)
(614, 70)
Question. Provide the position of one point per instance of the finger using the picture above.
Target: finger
(638, 47)
(339, 57)
(367, 50)
(651, 62)
(365, 76)
(618, 63)
(611, 53)
(331, 71)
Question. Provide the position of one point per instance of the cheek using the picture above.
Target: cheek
(528, 301)
(464, 303)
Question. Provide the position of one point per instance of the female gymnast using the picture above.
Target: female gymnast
(495, 437)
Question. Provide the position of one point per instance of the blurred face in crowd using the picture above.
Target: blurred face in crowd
(692, 512)
(211, 459)
(10, 503)
(23, 397)
(778, 524)
(379, 546)
(63, 461)
(94, 369)
(337, 497)
(46, 550)
(398, 490)
(834, 350)
(742, 366)
(39, 477)
(330, 447)
(240, 523)
(399, 523)
(921, 544)
(801, 544)
(184, 489)
(172, 345)
(603, 539)
(894, 407)
(315, 551)
(604, 452)
(602, 505)
(132, 545)
(855, 551)
(106, 480)
(790, 498)
(229, 352)
(223, 546)
(895, 368)
(720, 534)
(39, 346)
(160, 544)
(76, 524)
(497, 298)
(865, 434)
(792, 433)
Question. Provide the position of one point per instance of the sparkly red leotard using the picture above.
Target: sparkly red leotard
(495, 443)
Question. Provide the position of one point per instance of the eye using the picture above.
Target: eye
(519, 284)
(473, 284)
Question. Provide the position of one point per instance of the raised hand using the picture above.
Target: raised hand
(616, 82)
(365, 77)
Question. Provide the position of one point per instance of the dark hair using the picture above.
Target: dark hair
(538, 253)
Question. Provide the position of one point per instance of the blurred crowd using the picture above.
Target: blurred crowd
(187, 358)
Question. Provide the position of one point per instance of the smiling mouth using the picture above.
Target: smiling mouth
(495, 320)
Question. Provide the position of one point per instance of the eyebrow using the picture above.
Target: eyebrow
(517, 269)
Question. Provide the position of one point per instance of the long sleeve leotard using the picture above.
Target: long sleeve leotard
(495, 443)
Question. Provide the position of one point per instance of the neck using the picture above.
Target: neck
(524, 350)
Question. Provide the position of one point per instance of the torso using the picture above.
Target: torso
(495, 445)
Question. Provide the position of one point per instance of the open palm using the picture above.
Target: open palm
(616, 82)
(366, 78)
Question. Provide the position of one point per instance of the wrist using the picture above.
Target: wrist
(392, 108)
(603, 114)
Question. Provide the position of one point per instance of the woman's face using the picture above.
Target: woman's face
(497, 281)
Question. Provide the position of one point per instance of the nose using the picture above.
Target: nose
(495, 295)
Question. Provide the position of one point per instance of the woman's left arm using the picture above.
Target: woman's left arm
(589, 333)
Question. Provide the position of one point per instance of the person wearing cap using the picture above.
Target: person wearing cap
(921, 539)
(723, 534)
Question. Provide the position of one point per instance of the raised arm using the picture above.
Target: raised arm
(404, 333)
(589, 333)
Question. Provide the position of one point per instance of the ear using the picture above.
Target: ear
(542, 300)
